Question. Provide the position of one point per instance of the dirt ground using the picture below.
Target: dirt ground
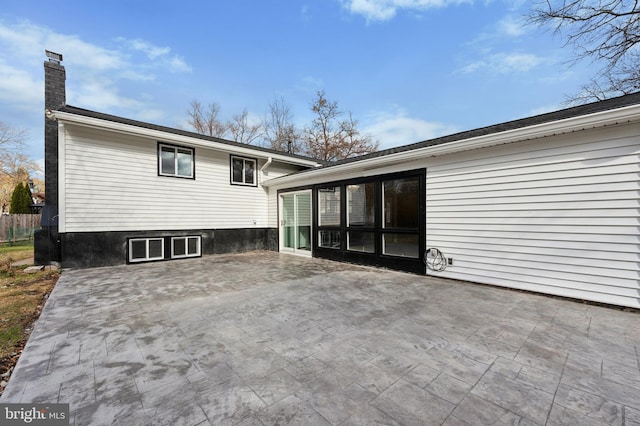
(22, 297)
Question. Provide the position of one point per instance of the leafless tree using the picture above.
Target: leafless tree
(206, 122)
(331, 138)
(15, 165)
(242, 130)
(279, 128)
(604, 31)
(11, 139)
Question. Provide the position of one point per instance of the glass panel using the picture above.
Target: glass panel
(288, 213)
(303, 221)
(184, 163)
(361, 205)
(179, 246)
(193, 246)
(401, 203)
(405, 245)
(249, 167)
(361, 241)
(237, 164)
(329, 239)
(168, 163)
(155, 249)
(138, 249)
(329, 206)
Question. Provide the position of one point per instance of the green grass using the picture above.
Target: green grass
(17, 251)
(22, 297)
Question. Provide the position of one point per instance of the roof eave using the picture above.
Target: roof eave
(96, 123)
(538, 131)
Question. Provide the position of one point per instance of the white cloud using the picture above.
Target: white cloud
(101, 93)
(392, 129)
(96, 69)
(177, 64)
(99, 74)
(504, 63)
(512, 27)
(157, 54)
(151, 50)
(384, 10)
(504, 30)
(19, 88)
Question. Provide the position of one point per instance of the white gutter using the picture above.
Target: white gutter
(166, 136)
(568, 125)
(266, 165)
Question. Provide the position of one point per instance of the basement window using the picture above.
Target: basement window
(185, 247)
(146, 249)
(243, 171)
(176, 161)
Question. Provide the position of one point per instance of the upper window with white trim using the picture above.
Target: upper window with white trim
(243, 171)
(176, 161)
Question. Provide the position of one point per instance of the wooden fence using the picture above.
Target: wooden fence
(18, 227)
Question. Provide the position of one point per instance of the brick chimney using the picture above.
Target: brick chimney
(47, 243)
(54, 98)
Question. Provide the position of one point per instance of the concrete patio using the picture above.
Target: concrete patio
(265, 338)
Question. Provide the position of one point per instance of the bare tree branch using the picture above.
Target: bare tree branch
(15, 165)
(605, 31)
(279, 127)
(243, 131)
(329, 138)
(206, 122)
(11, 139)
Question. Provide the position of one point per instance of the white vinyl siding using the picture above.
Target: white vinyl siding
(558, 215)
(111, 183)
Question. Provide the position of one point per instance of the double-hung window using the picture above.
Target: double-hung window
(176, 161)
(243, 171)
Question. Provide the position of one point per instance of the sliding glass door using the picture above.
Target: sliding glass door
(295, 222)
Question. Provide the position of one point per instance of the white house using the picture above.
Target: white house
(549, 203)
(120, 190)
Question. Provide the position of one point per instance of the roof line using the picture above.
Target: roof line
(544, 125)
(575, 111)
(145, 125)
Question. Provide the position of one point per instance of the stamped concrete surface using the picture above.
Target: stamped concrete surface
(267, 338)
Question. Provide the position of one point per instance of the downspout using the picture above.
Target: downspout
(265, 166)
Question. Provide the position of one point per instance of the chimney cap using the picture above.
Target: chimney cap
(53, 56)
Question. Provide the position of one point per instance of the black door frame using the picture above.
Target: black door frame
(414, 265)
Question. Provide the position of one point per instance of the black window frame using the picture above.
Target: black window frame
(244, 160)
(176, 148)
(377, 258)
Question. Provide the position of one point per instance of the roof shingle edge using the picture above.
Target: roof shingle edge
(576, 111)
(121, 120)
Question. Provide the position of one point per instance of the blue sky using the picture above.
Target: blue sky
(408, 70)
